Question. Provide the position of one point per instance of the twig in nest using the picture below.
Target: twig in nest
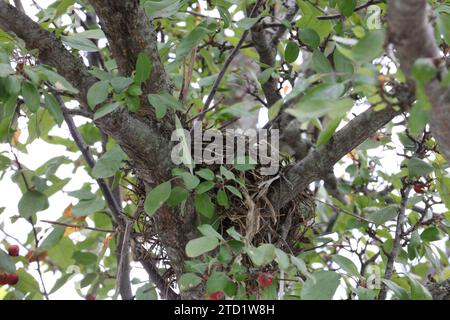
(252, 221)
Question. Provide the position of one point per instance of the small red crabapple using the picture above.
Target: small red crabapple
(419, 187)
(265, 279)
(218, 295)
(91, 296)
(13, 250)
(12, 279)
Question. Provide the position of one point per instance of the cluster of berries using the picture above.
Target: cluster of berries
(10, 278)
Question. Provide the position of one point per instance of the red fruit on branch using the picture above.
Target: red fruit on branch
(91, 296)
(13, 250)
(3, 278)
(12, 279)
(419, 187)
(265, 279)
(219, 295)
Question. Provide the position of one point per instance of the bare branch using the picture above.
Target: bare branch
(397, 238)
(318, 162)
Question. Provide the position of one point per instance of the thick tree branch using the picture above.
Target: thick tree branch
(51, 50)
(318, 162)
(165, 290)
(129, 32)
(412, 34)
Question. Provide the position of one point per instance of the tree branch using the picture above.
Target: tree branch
(129, 32)
(153, 273)
(360, 7)
(397, 238)
(318, 162)
(412, 35)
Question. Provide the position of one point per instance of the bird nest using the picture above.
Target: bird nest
(255, 216)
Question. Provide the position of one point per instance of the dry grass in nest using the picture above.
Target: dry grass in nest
(255, 217)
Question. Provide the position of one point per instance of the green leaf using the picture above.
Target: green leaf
(418, 291)
(6, 262)
(5, 70)
(146, 292)
(246, 23)
(419, 168)
(199, 246)
(31, 96)
(262, 255)
(431, 234)
(234, 191)
(106, 109)
(156, 198)
(328, 132)
(190, 181)
(347, 265)
(384, 214)
(80, 43)
(162, 101)
(208, 231)
(316, 108)
(282, 259)
(109, 163)
(191, 40)
(217, 281)
(205, 186)
(291, 52)
(162, 9)
(54, 108)
(31, 203)
(222, 198)
(424, 70)
(88, 207)
(300, 265)
(320, 63)
(120, 84)
(206, 174)
(419, 114)
(52, 239)
(204, 205)
(133, 103)
(84, 258)
(189, 281)
(321, 286)
(398, 291)
(309, 37)
(28, 285)
(97, 93)
(369, 47)
(177, 196)
(347, 6)
(143, 68)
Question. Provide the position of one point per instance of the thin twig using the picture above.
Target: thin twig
(361, 7)
(396, 243)
(30, 220)
(76, 226)
(345, 211)
(227, 63)
(107, 193)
